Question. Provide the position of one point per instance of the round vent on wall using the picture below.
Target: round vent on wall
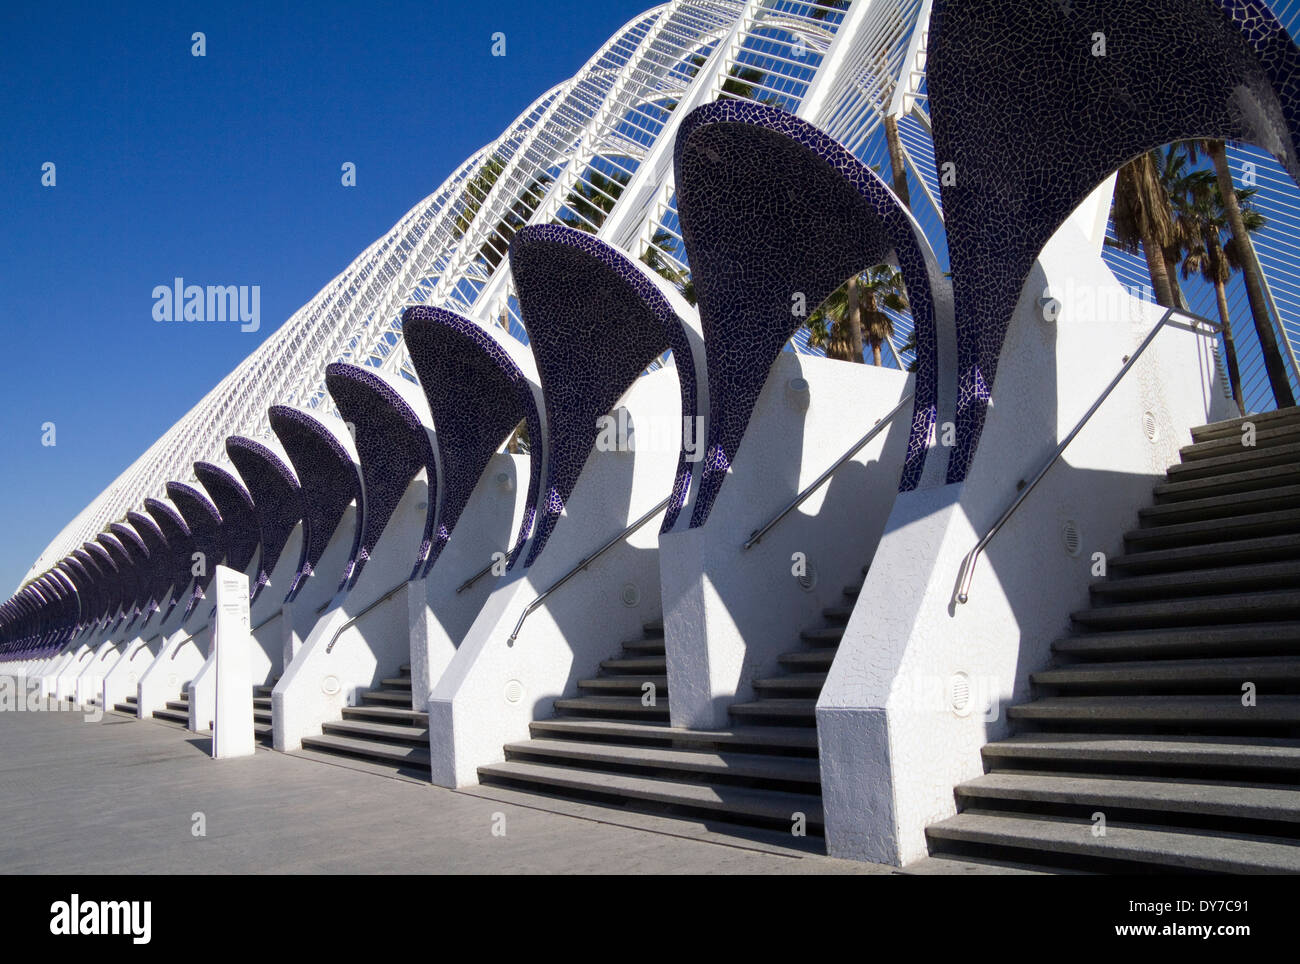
(808, 581)
(1149, 427)
(798, 393)
(959, 694)
(630, 595)
(330, 685)
(514, 691)
(1070, 535)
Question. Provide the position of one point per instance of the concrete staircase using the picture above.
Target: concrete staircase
(1144, 720)
(177, 710)
(382, 729)
(607, 746)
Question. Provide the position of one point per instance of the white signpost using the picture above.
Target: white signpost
(232, 729)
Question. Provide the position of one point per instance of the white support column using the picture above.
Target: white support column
(232, 727)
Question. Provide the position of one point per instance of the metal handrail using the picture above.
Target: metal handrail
(190, 638)
(353, 620)
(532, 606)
(968, 563)
(476, 577)
(756, 536)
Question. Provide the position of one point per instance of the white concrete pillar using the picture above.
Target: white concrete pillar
(232, 725)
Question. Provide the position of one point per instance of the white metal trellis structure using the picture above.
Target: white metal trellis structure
(594, 152)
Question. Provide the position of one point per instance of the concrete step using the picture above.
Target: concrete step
(397, 683)
(402, 753)
(1149, 797)
(405, 668)
(653, 628)
(1245, 460)
(613, 706)
(262, 702)
(1245, 639)
(387, 697)
(1262, 420)
(1282, 605)
(263, 690)
(1207, 555)
(792, 684)
(839, 615)
(825, 636)
(763, 767)
(180, 706)
(1229, 483)
(1193, 713)
(1218, 581)
(807, 659)
(1244, 526)
(750, 738)
(387, 714)
(734, 803)
(1265, 436)
(262, 716)
(644, 647)
(649, 664)
(174, 716)
(1185, 675)
(1220, 852)
(387, 732)
(852, 591)
(799, 711)
(126, 708)
(1145, 751)
(263, 731)
(631, 685)
(1222, 506)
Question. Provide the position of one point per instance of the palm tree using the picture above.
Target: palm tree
(592, 199)
(657, 257)
(882, 287)
(1180, 182)
(476, 192)
(853, 315)
(1252, 275)
(828, 327)
(1143, 220)
(1214, 261)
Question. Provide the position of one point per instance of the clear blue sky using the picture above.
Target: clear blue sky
(223, 169)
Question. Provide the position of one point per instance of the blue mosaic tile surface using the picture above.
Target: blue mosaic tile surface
(595, 323)
(1032, 121)
(477, 395)
(392, 445)
(330, 483)
(277, 500)
(239, 528)
(770, 206)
